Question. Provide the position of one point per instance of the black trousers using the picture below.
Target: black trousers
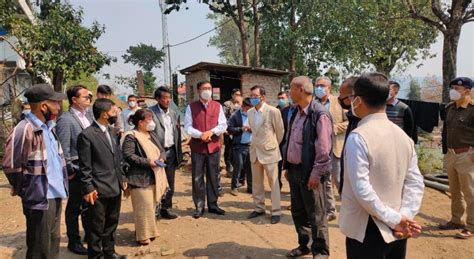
(227, 149)
(102, 220)
(205, 165)
(167, 201)
(308, 212)
(374, 247)
(242, 166)
(280, 170)
(43, 233)
(73, 210)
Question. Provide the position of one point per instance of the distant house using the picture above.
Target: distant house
(14, 80)
(224, 78)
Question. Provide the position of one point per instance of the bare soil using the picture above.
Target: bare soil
(232, 235)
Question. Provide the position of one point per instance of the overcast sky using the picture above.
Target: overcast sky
(129, 22)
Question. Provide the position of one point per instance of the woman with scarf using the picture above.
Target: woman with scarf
(146, 175)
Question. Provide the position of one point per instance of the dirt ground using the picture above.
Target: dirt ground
(232, 235)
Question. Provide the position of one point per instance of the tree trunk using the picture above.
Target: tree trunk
(293, 26)
(450, 49)
(384, 68)
(58, 76)
(240, 22)
(256, 33)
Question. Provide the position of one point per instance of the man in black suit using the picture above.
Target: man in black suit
(286, 113)
(102, 179)
(238, 127)
(69, 126)
(168, 129)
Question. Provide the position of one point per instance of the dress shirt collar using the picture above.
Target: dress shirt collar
(374, 116)
(77, 112)
(102, 127)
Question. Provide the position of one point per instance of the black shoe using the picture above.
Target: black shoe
(249, 191)
(299, 251)
(167, 214)
(217, 211)
(255, 214)
(275, 219)
(197, 214)
(77, 248)
(115, 256)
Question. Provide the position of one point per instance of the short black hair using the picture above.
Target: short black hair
(131, 96)
(247, 102)
(101, 105)
(138, 116)
(104, 89)
(282, 92)
(350, 81)
(261, 90)
(373, 88)
(394, 84)
(160, 90)
(235, 90)
(73, 91)
(203, 82)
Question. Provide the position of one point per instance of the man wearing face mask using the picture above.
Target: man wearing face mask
(344, 93)
(69, 125)
(339, 120)
(102, 179)
(35, 168)
(377, 220)
(238, 127)
(398, 112)
(460, 156)
(230, 106)
(205, 121)
(267, 132)
(131, 109)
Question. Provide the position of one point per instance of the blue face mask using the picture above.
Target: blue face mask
(255, 101)
(319, 92)
(281, 102)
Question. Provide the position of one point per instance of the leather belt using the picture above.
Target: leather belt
(459, 150)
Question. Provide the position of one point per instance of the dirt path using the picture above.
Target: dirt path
(232, 235)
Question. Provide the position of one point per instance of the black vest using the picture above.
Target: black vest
(310, 136)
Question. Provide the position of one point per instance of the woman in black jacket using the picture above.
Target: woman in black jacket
(146, 177)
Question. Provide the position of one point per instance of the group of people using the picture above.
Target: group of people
(357, 143)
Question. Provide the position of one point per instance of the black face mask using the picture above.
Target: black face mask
(343, 105)
(48, 115)
(112, 120)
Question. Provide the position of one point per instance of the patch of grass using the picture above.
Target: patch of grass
(430, 160)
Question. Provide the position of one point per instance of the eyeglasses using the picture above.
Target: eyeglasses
(320, 85)
(343, 99)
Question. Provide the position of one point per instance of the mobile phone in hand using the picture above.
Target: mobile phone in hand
(160, 164)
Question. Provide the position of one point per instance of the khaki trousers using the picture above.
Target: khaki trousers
(258, 186)
(461, 185)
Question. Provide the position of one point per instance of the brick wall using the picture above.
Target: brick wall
(191, 81)
(270, 83)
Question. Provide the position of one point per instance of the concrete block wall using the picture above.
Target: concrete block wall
(191, 81)
(270, 83)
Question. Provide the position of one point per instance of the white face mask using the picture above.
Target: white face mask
(132, 104)
(151, 126)
(454, 95)
(353, 108)
(206, 94)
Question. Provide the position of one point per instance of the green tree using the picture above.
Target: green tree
(415, 90)
(57, 45)
(147, 57)
(448, 17)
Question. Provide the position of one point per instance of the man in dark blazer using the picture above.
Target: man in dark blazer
(102, 179)
(238, 127)
(168, 129)
(68, 127)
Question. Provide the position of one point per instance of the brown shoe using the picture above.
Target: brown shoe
(464, 234)
(450, 226)
(144, 242)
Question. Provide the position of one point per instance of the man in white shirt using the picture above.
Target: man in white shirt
(205, 121)
(69, 125)
(127, 112)
(378, 220)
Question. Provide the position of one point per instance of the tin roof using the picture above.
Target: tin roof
(232, 68)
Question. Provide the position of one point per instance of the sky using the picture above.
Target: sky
(129, 22)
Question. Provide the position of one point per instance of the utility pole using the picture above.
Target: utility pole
(166, 45)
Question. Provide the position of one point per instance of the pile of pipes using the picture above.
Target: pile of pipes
(438, 182)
